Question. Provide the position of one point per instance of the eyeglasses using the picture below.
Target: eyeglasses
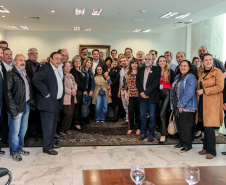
(33, 53)
(147, 59)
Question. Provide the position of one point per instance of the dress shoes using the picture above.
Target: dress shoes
(142, 137)
(50, 152)
(2, 153)
(209, 156)
(184, 150)
(224, 153)
(150, 138)
(56, 146)
(58, 137)
(203, 152)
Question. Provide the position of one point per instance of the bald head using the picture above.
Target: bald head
(20, 61)
(202, 50)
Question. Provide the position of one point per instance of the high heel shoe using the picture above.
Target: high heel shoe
(196, 137)
(163, 142)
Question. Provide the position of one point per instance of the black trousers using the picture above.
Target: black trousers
(4, 123)
(209, 142)
(134, 109)
(34, 123)
(184, 126)
(49, 126)
(164, 109)
(77, 109)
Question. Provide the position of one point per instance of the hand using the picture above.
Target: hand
(200, 91)
(109, 87)
(143, 95)
(85, 93)
(73, 92)
(119, 94)
(224, 106)
(109, 93)
(16, 116)
(47, 96)
(43, 61)
(180, 109)
(106, 75)
(91, 93)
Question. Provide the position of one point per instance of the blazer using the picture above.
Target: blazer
(151, 85)
(1, 89)
(3, 69)
(45, 82)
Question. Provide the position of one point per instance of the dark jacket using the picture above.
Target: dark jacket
(1, 89)
(151, 85)
(3, 69)
(80, 79)
(45, 82)
(15, 93)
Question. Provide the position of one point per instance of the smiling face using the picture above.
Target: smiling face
(202, 50)
(148, 60)
(7, 56)
(33, 55)
(124, 62)
(162, 62)
(96, 55)
(208, 62)
(128, 53)
(77, 63)
(114, 54)
(88, 64)
(64, 55)
(20, 62)
(99, 70)
(184, 68)
(168, 57)
(108, 63)
(55, 61)
(115, 64)
(134, 65)
(197, 63)
(179, 57)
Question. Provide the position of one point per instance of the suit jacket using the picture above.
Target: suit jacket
(3, 69)
(45, 82)
(151, 85)
(1, 89)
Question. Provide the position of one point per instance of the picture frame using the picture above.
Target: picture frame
(104, 48)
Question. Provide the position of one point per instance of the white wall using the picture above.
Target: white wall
(208, 33)
(47, 42)
(2, 34)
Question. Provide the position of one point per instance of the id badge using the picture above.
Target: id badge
(161, 86)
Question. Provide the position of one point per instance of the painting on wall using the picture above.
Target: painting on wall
(102, 48)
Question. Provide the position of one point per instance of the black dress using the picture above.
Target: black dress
(114, 75)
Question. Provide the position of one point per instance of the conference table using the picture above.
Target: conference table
(209, 175)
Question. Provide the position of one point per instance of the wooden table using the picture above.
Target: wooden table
(209, 175)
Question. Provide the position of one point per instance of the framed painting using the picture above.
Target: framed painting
(102, 48)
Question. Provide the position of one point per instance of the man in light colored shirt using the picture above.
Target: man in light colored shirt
(169, 57)
(96, 60)
(114, 54)
(124, 64)
(49, 100)
(7, 59)
(154, 55)
(129, 53)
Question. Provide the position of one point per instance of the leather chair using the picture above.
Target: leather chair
(5, 171)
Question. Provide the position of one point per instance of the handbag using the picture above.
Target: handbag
(172, 127)
(85, 106)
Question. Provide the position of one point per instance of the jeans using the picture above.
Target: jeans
(101, 107)
(145, 107)
(17, 130)
(124, 103)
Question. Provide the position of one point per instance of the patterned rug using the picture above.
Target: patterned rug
(109, 133)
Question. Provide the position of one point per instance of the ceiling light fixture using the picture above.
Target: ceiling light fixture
(3, 10)
(24, 27)
(52, 11)
(79, 11)
(3, 16)
(183, 16)
(138, 20)
(168, 15)
(96, 11)
(13, 27)
(137, 30)
(146, 31)
(87, 29)
(76, 28)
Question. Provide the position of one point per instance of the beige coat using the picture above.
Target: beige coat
(67, 95)
(100, 82)
(213, 86)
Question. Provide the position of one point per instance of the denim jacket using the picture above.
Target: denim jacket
(187, 93)
(89, 74)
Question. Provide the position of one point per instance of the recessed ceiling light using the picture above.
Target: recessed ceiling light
(138, 20)
(137, 30)
(168, 15)
(183, 16)
(24, 27)
(3, 16)
(87, 29)
(96, 11)
(190, 20)
(79, 11)
(52, 11)
(142, 11)
(76, 28)
(13, 27)
(3, 10)
(146, 31)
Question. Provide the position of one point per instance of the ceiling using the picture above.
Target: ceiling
(116, 16)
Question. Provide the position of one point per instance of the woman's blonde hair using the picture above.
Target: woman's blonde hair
(74, 59)
(166, 73)
(87, 60)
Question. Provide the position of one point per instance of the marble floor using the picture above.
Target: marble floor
(66, 168)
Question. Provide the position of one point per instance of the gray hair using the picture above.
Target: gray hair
(31, 49)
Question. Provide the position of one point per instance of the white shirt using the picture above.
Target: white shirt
(7, 67)
(59, 82)
(94, 66)
(1, 70)
(154, 63)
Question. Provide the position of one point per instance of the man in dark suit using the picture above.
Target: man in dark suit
(147, 81)
(32, 66)
(49, 100)
(96, 60)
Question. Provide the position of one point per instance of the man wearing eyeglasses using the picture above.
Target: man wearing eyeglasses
(32, 66)
(147, 81)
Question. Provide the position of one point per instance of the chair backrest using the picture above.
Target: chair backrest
(5, 171)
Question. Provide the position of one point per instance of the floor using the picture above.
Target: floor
(66, 168)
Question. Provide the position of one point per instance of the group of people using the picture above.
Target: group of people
(147, 87)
